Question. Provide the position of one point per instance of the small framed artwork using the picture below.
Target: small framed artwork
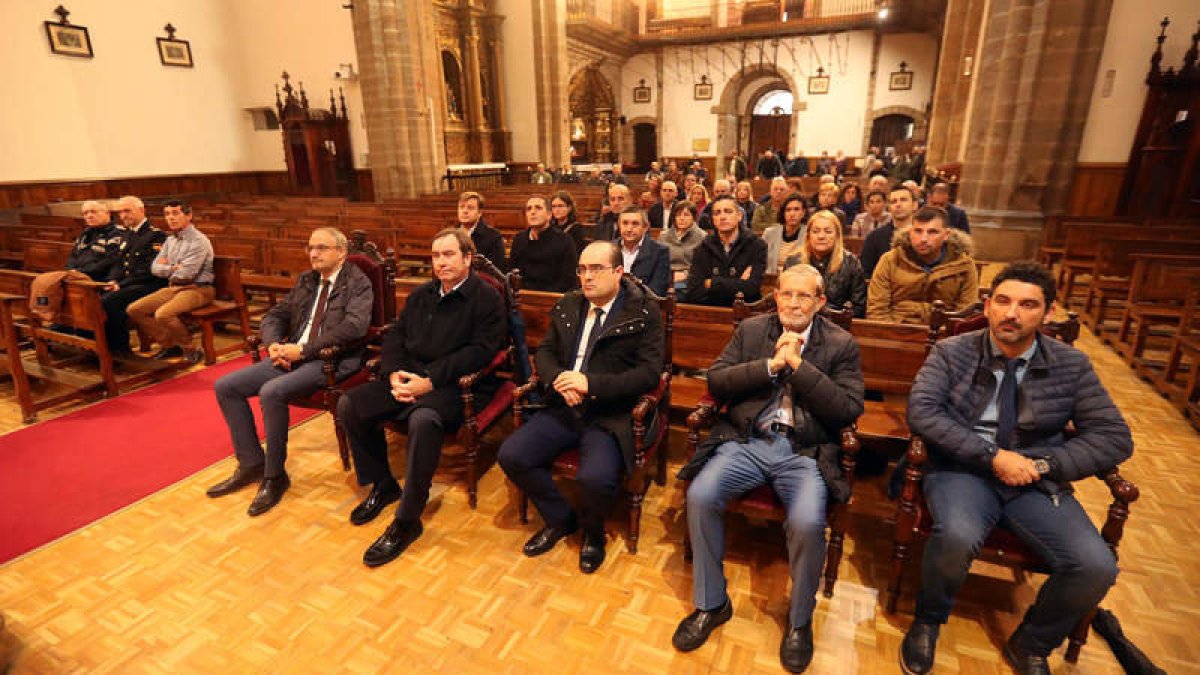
(69, 40)
(173, 52)
(818, 84)
(901, 80)
(703, 89)
(641, 93)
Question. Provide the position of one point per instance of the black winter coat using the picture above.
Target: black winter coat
(490, 244)
(96, 252)
(827, 393)
(710, 261)
(625, 363)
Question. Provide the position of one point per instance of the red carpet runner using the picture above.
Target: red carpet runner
(57, 476)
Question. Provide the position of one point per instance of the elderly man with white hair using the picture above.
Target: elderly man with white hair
(96, 249)
(130, 278)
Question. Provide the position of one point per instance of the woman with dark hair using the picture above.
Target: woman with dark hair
(681, 239)
(785, 238)
(851, 202)
(823, 249)
(563, 217)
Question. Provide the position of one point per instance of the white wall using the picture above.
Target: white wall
(1132, 29)
(919, 52)
(123, 113)
(520, 99)
(832, 122)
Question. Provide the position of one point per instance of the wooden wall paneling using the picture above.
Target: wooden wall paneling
(1095, 188)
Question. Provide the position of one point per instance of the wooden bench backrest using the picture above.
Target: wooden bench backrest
(42, 256)
(1163, 279)
(81, 307)
(1083, 238)
(891, 353)
(227, 279)
(1114, 257)
(250, 251)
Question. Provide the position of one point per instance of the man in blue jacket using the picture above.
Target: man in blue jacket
(992, 406)
(641, 255)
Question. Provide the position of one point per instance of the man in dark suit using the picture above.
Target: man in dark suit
(489, 243)
(791, 380)
(605, 228)
(130, 278)
(451, 326)
(641, 256)
(939, 196)
(662, 214)
(328, 307)
(603, 350)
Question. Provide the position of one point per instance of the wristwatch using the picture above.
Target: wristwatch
(1042, 466)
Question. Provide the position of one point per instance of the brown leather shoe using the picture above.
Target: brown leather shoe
(242, 476)
(269, 493)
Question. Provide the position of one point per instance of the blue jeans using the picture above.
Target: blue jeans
(734, 470)
(965, 507)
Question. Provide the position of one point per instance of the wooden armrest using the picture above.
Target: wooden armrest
(705, 414)
(524, 390)
(331, 353)
(468, 381)
(373, 365)
(1122, 490)
(850, 444)
(647, 403)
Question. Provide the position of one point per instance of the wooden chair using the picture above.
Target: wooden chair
(1001, 547)
(383, 311)
(762, 502)
(1157, 293)
(477, 419)
(229, 303)
(1184, 344)
(651, 433)
(10, 355)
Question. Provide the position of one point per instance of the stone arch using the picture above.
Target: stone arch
(733, 114)
(920, 122)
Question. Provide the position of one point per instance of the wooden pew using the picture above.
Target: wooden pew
(1082, 241)
(229, 303)
(1112, 270)
(1157, 294)
(1184, 344)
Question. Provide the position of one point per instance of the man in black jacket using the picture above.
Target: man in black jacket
(605, 227)
(489, 243)
(641, 255)
(939, 196)
(902, 205)
(97, 249)
(992, 406)
(791, 381)
(130, 278)
(729, 260)
(603, 350)
(451, 326)
(330, 306)
(544, 255)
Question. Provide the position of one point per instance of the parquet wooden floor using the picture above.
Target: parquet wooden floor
(179, 583)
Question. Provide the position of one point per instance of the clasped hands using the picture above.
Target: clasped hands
(572, 385)
(787, 352)
(1015, 469)
(408, 387)
(284, 355)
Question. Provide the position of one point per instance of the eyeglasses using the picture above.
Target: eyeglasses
(584, 270)
(802, 298)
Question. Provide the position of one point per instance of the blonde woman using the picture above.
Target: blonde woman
(698, 195)
(843, 273)
(744, 192)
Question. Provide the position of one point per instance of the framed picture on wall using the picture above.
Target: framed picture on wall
(818, 84)
(69, 40)
(900, 81)
(641, 93)
(702, 90)
(175, 52)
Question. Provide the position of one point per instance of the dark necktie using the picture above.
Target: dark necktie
(592, 335)
(1006, 420)
(319, 315)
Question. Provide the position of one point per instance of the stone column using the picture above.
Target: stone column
(400, 81)
(1029, 92)
(502, 142)
(550, 81)
(475, 121)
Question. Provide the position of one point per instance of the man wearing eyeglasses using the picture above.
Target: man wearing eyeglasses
(329, 306)
(791, 381)
(602, 351)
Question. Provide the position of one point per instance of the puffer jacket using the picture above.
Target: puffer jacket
(901, 291)
(955, 385)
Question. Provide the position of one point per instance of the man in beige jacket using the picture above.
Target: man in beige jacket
(928, 262)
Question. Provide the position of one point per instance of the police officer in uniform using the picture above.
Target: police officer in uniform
(130, 278)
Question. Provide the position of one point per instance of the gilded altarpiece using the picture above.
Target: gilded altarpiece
(470, 48)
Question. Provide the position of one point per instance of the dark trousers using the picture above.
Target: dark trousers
(527, 455)
(116, 320)
(274, 387)
(361, 411)
(965, 507)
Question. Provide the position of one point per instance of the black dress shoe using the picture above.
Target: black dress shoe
(591, 554)
(381, 495)
(193, 356)
(694, 630)
(269, 493)
(242, 476)
(796, 650)
(169, 353)
(1022, 661)
(916, 652)
(547, 537)
(398, 536)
